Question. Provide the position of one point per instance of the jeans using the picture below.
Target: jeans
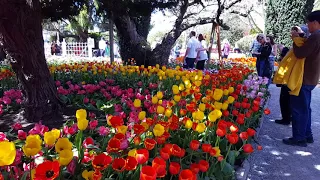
(285, 103)
(260, 65)
(200, 65)
(190, 62)
(301, 113)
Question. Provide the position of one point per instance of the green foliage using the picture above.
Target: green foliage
(245, 43)
(282, 15)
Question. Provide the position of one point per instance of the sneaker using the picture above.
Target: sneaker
(283, 122)
(310, 140)
(292, 142)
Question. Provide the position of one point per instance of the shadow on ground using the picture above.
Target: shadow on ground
(278, 161)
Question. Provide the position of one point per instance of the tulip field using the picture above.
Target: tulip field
(136, 122)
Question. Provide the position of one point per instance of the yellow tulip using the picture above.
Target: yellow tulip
(181, 87)
(188, 124)
(65, 157)
(217, 105)
(122, 129)
(145, 125)
(202, 107)
(168, 112)
(32, 146)
(81, 114)
(158, 130)
(142, 115)
(217, 94)
(87, 175)
(214, 115)
(197, 83)
(160, 109)
(82, 124)
(201, 127)
(198, 115)
(224, 106)
(7, 153)
(132, 153)
(231, 89)
(159, 95)
(177, 98)
(178, 78)
(230, 99)
(175, 89)
(49, 138)
(56, 133)
(225, 92)
(63, 144)
(217, 150)
(154, 100)
(137, 103)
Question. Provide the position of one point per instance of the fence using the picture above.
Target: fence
(72, 49)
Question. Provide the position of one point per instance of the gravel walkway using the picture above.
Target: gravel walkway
(278, 161)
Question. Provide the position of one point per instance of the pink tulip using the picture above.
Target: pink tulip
(93, 124)
(103, 131)
(17, 126)
(22, 135)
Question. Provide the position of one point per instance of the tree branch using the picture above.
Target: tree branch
(232, 4)
(200, 21)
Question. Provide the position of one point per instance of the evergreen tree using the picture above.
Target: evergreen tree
(282, 15)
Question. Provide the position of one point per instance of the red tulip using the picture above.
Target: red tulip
(160, 166)
(206, 148)
(148, 173)
(176, 150)
(232, 138)
(119, 164)
(247, 148)
(187, 174)
(267, 111)
(149, 143)
(244, 135)
(182, 153)
(174, 168)
(165, 153)
(194, 168)
(116, 121)
(113, 145)
(251, 132)
(221, 132)
(142, 156)
(194, 145)
(131, 163)
(203, 165)
(101, 161)
(138, 129)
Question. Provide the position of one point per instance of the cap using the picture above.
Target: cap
(305, 29)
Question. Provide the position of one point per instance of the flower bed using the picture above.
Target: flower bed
(158, 123)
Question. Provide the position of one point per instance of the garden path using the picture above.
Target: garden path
(278, 161)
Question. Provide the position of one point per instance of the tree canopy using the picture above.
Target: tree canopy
(282, 15)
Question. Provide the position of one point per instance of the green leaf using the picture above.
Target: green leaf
(232, 157)
(24, 176)
(227, 169)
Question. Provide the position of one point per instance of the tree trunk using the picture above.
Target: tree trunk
(21, 34)
(132, 44)
(133, 41)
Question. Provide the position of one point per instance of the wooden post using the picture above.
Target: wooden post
(218, 41)
(111, 40)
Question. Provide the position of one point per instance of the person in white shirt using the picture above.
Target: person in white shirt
(102, 47)
(191, 52)
(202, 54)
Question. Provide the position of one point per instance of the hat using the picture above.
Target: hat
(305, 29)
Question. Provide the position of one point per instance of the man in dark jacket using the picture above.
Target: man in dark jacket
(300, 105)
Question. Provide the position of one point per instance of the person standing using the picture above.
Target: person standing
(202, 55)
(255, 48)
(274, 51)
(284, 95)
(226, 50)
(263, 64)
(191, 53)
(102, 47)
(107, 50)
(300, 105)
